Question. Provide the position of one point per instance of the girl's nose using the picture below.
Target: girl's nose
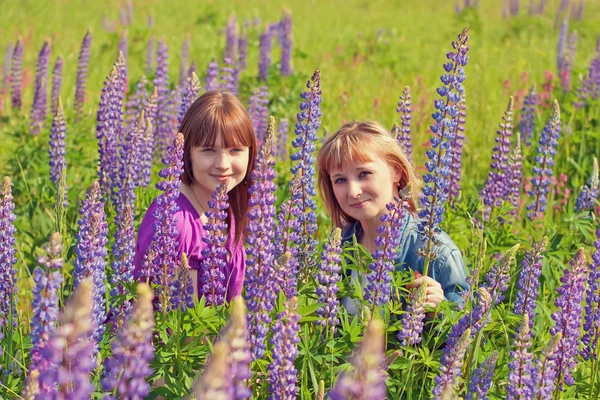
(354, 189)
(222, 161)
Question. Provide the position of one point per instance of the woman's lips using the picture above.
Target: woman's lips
(359, 205)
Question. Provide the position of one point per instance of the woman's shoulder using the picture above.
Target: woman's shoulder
(350, 229)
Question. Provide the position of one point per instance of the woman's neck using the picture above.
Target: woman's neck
(369, 233)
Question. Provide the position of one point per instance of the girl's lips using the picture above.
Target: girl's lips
(359, 205)
(221, 177)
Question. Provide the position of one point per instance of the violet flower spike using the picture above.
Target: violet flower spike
(212, 76)
(531, 269)
(403, 130)
(514, 176)
(215, 381)
(240, 357)
(328, 279)
(184, 61)
(412, 319)
(150, 55)
(122, 264)
(457, 150)
(498, 277)
(161, 124)
(136, 103)
(481, 381)
(527, 123)
(229, 77)
(243, 50)
(192, 89)
(589, 193)
(57, 144)
(16, 75)
(56, 83)
(8, 272)
(450, 368)
(520, 380)
(286, 43)
(591, 326)
(282, 138)
(231, 39)
(544, 371)
(123, 43)
(82, 70)
(264, 60)
(258, 112)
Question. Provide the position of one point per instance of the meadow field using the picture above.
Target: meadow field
(530, 325)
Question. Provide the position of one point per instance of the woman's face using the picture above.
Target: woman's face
(363, 189)
(216, 164)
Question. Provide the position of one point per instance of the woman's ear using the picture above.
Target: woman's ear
(397, 174)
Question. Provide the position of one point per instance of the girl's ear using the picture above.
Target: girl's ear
(397, 173)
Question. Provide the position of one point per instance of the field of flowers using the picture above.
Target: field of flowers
(497, 102)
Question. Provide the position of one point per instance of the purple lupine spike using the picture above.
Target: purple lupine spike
(378, 288)
(259, 282)
(215, 381)
(264, 60)
(212, 274)
(192, 89)
(90, 262)
(70, 350)
(457, 149)
(56, 83)
(122, 263)
(212, 76)
(282, 137)
(435, 191)
(136, 103)
(57, 144)
(31, 388)
(161, 82)
(258, 112)
(146, 159)
(236, 335)
(126, 371)
(591, 326)
(231, 39)
(328, 279)
(304, 165)
(521, 363)
(450, 368)
(164, 242)
(568, 62)
(229, 77)
(6, 67)
(129, 9)
(412, 320)
(498, 277)
(589, 90)
(514, 176)
(243, 50)
(150, 55)
(192, 69)
(561, 46)
(184, 61)
(481, 381)
(121, 65)
(531, 269)
(544, 370)
(82, 70)
(405, 112)
(123, 43)
(16, 75)
(184, 281)
(48, 280)
(544, 164)
(282, 373)
(8, 272)
(365, 381)
(496, 187)
(286, 43)
(589, 193)
(568, 318)
(527, 123)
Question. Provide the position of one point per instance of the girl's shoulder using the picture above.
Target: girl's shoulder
(186, 217)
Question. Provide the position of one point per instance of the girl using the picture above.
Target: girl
(219, 147)
(360, 169)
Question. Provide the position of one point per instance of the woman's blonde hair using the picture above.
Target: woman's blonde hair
(361, 142)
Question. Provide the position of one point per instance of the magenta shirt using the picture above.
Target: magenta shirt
(190, 234)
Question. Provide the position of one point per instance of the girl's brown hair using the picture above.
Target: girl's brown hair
(361, 142)
(213, 114)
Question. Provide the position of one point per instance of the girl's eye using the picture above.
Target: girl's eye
(207, 150)
(236, 150)
(339, 180)
(364, 173)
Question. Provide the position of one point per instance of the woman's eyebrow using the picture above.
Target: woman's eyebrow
(335, 175)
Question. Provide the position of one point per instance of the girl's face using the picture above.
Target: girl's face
(363, 189)
(215, 164)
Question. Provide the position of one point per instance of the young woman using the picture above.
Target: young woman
(360, 169)
(219, 148)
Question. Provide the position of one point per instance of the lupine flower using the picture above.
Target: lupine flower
(304, 164)
(125, 372)
(515, 176)
(164, 242)
(544, 371)
(568, 62)
(136, 103)
(236, 335)
(521, 363)
(379, 277)
(282, 137)
(190, 94)
(32, 386)
(243, 50)
(481, 381)
(589, 89)
(366, 381)
(184, 282)
(264, 60)
(184, 61)
(161, 81)
(527, 123)
(90, 262)
(56, 83)
(8, 273)
(403, 131)
(70, 350)
(229, 77)
(498, 277)
(215, 381)
(589, 193)
(435, 191)
(562, 46)
(496, 188)
(591, 326)
(123, 43)
(531, 269)
(122, 264)
(568, 318)
(282, 373)
(286, 43)
(6, 67)
(259, 276)
(544, 164)
(231, 38)
(191, 69)
(146, 158)
(258, 112)
(150, 55)
(412, 320)
(213, 284)
(457, 149)
(16, 74)
(82, 68)
(48, 280)
(450, 368)
(328, 279)
(212, 76)
(57, 144)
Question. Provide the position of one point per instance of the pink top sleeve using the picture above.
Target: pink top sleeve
(189, 238)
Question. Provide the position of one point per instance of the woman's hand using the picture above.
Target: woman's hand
(434, 295)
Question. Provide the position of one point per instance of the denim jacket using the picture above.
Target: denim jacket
(447, 268)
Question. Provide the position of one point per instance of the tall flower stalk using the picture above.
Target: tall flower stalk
(57, 73)
(454, 185)
(591, 326)
(39, 107)
(57, 144)
(531, 269)
(161, 82)
(482, 379)
(402, 131)
(264, 59)
(527, 123)
(286, 43)
(520, 380)
(8, 272)
(240, 357)
(328, 279)
(589, 193)
(82, 70)
(192, 88)
(16, 75)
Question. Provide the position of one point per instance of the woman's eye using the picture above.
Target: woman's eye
(339, 180)
(207, 150)
(236, 150)
(364, 173)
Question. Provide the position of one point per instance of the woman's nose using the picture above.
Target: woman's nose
(354, 189)
(222, 161)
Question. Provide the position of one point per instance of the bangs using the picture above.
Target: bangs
(347, 148)
(208, 130)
